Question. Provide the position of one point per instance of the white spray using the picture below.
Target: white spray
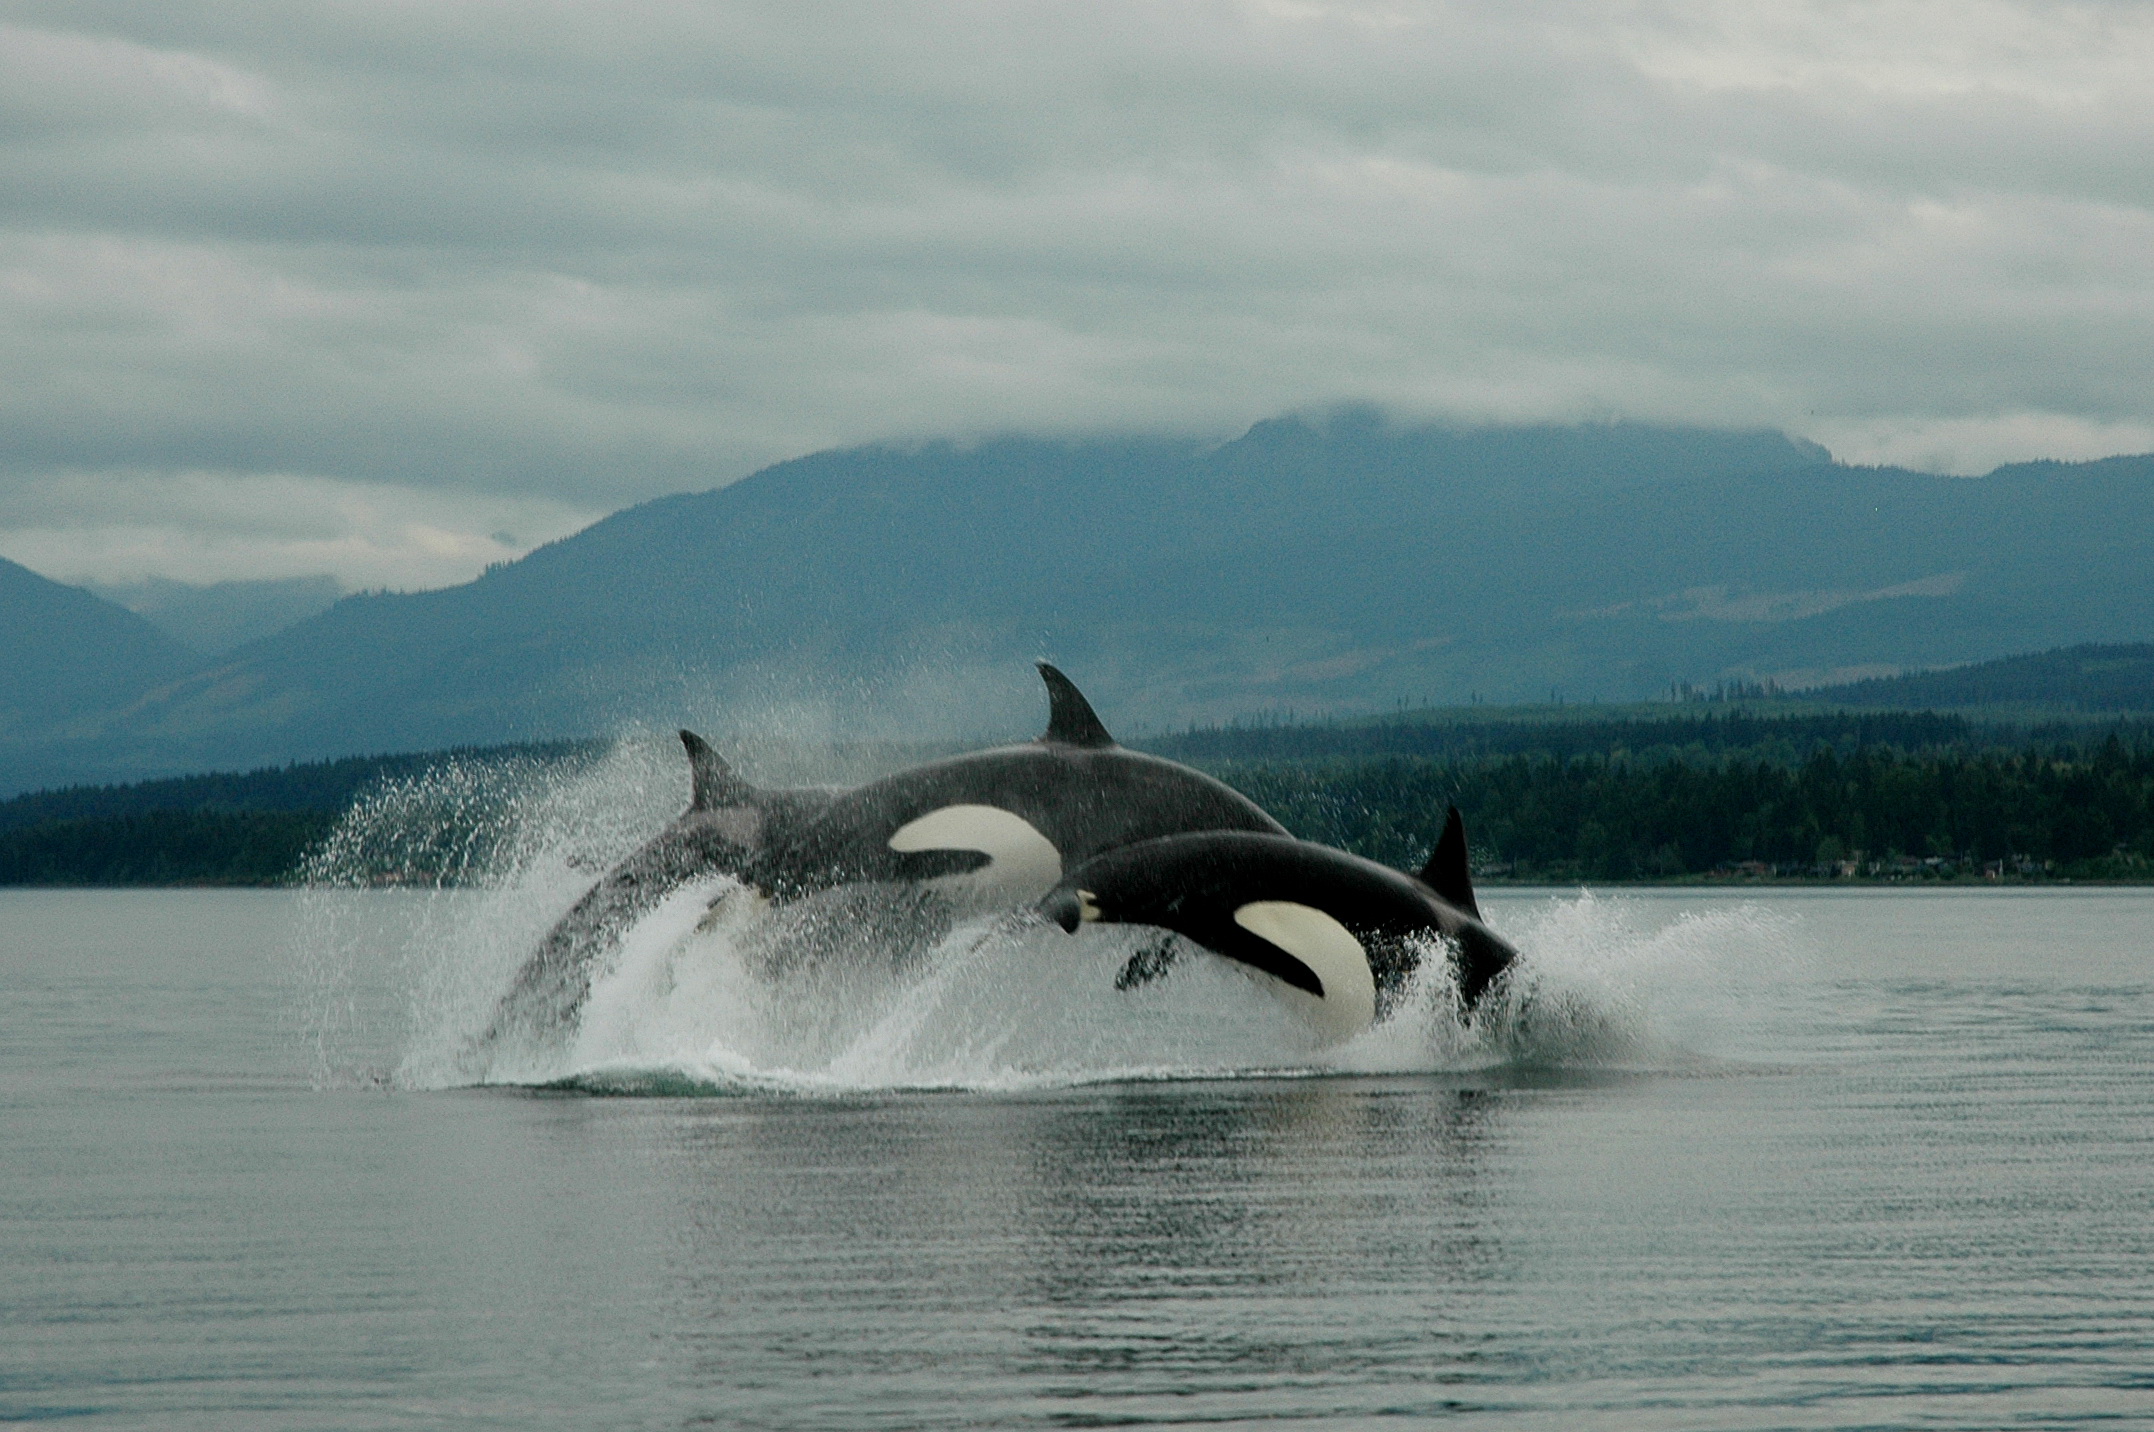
(858, 989)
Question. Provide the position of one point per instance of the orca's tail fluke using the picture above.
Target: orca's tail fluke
(1447, 873)
(715, 784)
(1071, 721)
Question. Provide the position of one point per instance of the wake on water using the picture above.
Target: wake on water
(714, 993)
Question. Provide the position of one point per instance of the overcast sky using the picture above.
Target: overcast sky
(391, 290)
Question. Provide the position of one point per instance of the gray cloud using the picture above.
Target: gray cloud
(577, 255)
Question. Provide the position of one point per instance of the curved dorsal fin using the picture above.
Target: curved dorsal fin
(713, 782)
(1446, 872)
(1071, 720)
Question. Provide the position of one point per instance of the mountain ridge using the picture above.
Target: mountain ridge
(2089, 677)
(64, 650)
(1337, 564)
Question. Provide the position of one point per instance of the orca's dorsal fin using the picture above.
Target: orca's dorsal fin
(713, 782)
(1071, 721)
(1446, 872)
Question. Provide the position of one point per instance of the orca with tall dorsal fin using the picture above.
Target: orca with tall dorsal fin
(1071, 721)
(1447, 871)
(1341, 935)
(981, 831)
(998, 827)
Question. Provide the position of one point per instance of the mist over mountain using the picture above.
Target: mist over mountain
(215, 617)
(1311, 566)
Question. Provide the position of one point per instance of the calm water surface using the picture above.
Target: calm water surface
(1867, 1159)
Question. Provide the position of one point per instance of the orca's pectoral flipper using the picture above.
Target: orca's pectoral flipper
(1071, 721)
(1446, 872)
(715, 784)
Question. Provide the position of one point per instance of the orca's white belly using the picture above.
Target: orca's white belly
(1348, 1004)
(1022, 864)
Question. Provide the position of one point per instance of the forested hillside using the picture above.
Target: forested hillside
(2078, 678)
(1877, 814)
(1686, 733)
(246, 828)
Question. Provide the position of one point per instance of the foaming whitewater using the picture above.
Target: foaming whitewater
(870, 988)
(1616, 983)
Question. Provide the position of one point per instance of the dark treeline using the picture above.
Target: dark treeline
(240, 828)
(311, 786)
(1785, 739)
(1882, 795)
(163, 847)
(2076, 813)
(2076, 678)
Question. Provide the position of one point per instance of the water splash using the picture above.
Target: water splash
(435, 887)
(1614, 982)
(870, 988)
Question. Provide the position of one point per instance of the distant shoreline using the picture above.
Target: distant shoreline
(1907, 799)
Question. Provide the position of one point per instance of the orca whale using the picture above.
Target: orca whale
(981, 831)
(998, 828)
(724, 828)
(1339, 933)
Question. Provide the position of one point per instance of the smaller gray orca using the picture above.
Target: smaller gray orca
(1341, 932)
(985, 830)
(723, 831)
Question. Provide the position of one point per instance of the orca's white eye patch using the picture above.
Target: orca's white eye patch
(1022, 864)
(1331, 952)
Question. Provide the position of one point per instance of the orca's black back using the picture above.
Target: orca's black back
(1084, 801)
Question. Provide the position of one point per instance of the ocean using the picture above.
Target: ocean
(1721, 1159)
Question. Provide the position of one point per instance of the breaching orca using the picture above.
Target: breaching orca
(986, 830)
(997, 828)
(1341, 934)
(723, 831)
